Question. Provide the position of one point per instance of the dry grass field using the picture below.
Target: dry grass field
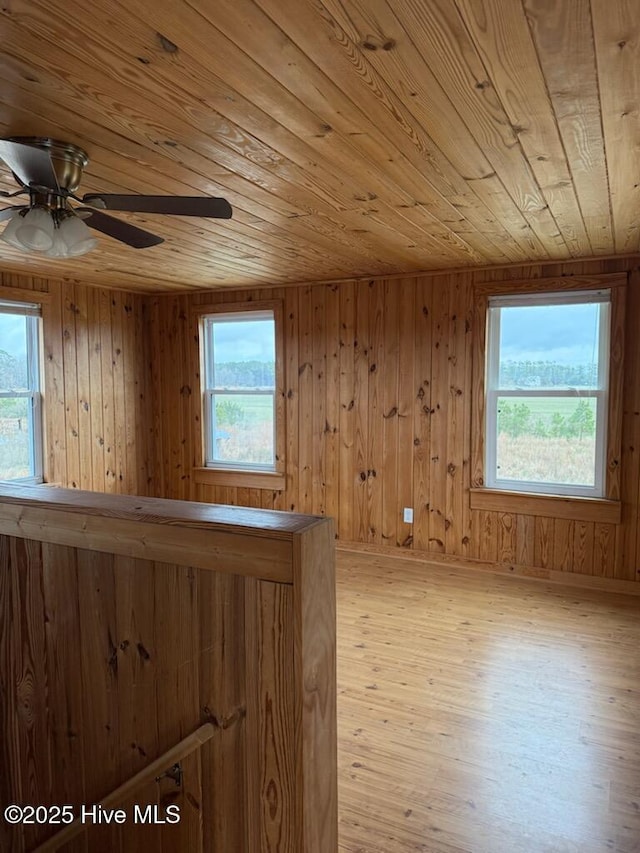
(549, 459)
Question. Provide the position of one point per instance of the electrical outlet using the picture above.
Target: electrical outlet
(408, 515)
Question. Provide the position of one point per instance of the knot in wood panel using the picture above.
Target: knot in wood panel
(166, 44)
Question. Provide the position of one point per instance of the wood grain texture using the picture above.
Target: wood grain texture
(108, 660)
(237, 540)
(409, 423)
(225, 701)
(512, 127)
(83, 389)
(549, 506)
(315, 667)
(175, 755)
(468, 704)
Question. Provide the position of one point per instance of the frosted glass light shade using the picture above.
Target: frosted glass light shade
(9, 233)
(76, 236)
(38, 233)
(35, 231)
(59, 248)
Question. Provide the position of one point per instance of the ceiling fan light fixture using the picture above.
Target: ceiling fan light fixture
(59, 248)
(9, 233)
(50, 171)
(35, 231)
(76, 237)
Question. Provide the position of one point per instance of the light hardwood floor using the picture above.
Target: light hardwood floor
(484, 714)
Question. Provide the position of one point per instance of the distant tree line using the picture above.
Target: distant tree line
(547, 374)
(518, 419)
(245, 374)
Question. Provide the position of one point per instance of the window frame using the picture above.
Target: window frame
(213, 472)
(573, 506)
(493, 392)
(32, 312)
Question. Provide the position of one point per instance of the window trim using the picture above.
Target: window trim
(481, 495)
(494, 392)
(32, 312)
(231, 474)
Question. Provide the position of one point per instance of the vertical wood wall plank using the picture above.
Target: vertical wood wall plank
(422, 413)
(525, 532)
(96, 430)
(347, 469)
(130, 357)
(543, 542)
(319, 421)
(292, 398)
(389, 369)
(375, 439)
(563, 559)
(507, 537)
(64, 678)
(27, 649)
(118, 362)
(55, 437)
(361, 410)
(275, 755)
(108, 394)
(332, 412)
(314, 647)
(223, 700)
(72, 427)
(305, 390)
(10, 633)
(137, 662)
(406, 394)
(455, 492)
(439, 413)
(99, 643)
(144, 423)
(583, 546)
(85, 437)
(628, 561)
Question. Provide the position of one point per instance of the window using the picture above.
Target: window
(20, 404)
(241, 400)
(546, 387)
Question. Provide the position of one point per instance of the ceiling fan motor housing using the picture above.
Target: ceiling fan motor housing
(68, 160)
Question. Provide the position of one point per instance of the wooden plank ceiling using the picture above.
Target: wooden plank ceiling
(352, 137)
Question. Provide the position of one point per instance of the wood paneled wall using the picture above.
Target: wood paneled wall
(97, 399)
(378, 396)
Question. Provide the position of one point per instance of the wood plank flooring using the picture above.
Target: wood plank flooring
(482, 714)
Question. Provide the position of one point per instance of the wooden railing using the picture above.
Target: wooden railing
(123, 792)
(126, 623)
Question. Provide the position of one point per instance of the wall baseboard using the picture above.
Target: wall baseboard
(470, 564)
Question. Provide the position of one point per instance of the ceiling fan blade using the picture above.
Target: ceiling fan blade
(31, 165)
(218, 208)
(7, 212)
(123, 231)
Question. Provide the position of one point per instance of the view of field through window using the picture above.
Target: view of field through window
(548, 393)
(15, 461)
(241, 376)
(547, 439)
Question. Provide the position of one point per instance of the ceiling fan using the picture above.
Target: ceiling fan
(49, 172)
